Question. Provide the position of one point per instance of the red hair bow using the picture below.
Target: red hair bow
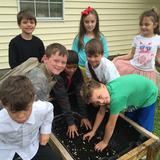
(86, 11)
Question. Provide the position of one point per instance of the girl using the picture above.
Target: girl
(145, 49)
(88, 29)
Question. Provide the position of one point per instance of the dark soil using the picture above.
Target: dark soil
(124, 139)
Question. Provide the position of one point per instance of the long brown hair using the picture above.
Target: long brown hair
(82, 30)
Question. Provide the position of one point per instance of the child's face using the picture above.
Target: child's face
(100, 96)
(70, 69)
(56, 63)
(90, 22)
(21, 116)
(94, 60)
(147, 27)
(27, 26)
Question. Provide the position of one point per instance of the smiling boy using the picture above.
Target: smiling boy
(25, 45)
(98, 67)
(121, 95)
(43, 76)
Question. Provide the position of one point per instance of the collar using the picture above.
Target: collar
(16, 125)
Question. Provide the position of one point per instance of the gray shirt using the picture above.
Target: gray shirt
(42, 81)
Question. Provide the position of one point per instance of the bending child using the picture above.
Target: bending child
(24, 123)
(139, 92)
(66, 93)
(145, 49)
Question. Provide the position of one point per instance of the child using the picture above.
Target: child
(43, 76)
(88, 29)
(99, 67)
(66, 93)
(24, 123)
(25, 45)
(138, 91)
(145, 48)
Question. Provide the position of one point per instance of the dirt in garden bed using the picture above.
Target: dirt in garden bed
(124, 139)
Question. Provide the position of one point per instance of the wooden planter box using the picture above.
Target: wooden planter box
(149, 148)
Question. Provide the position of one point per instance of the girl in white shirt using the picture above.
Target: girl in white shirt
(145, 49)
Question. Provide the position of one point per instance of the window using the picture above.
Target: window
(46, 9)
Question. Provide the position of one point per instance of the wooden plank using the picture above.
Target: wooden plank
(135, 154)
(140, 129)
(153, 151)
(59, 147)
(138, 152)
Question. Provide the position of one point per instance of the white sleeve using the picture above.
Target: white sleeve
(87, 71)
(134, 42)
(111, 72)
(48, 118)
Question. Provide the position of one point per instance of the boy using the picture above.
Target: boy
(43, 76)
(24, 123)
(121, 94)
(25, 45)
(98, 67)
(66, 93)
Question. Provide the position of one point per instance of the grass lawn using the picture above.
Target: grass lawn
(157, 120)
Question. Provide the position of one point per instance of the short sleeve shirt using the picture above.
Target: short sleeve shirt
(131, 90)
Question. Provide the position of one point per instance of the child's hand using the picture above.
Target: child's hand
(85, 122)
(100, 146)
(43, 139)
(88, 135)
(72, 130)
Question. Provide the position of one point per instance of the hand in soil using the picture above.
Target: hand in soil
(100, 146)
(72, 131)
(43, 139)
(86, 123)
(88, 135)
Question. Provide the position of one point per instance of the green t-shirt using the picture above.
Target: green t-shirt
(131, 90)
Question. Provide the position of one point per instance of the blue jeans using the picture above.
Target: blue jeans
(143, 116)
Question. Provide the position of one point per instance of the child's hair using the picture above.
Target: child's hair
(93, 47)
(16, 92)
(87, 89)
(25, 14)
(154, 16)
(72, 57)
(82, 30)
(54, 48)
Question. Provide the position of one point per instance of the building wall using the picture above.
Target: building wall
(118, 22)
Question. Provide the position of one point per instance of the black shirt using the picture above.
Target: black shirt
(20, 50)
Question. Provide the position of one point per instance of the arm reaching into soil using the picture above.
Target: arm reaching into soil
(108, 132)
(85, 122)
(98, 120)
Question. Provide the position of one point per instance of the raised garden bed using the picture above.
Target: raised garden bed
(129, 141)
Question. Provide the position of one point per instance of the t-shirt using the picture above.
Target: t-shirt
(20, 50)
(105, 71)
(145, 52)
(131, 90)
